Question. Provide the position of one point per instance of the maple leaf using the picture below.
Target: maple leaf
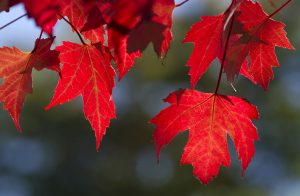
(260, 36)
(252, 33)
(87, 72)
(207, 37)
(16, 68)
(209, 118)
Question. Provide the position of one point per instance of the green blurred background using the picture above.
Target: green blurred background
(55, 154)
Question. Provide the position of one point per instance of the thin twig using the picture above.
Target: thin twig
(12, 21)
(279, 9)
(38, 42)
(224, 54)
(28, 66)
(180, 4)
(74, 29)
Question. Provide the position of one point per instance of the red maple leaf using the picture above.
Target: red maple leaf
(252, 33)
(16, 69)
(209, 118)
(87, 72)
(260, 36)
(207, 37)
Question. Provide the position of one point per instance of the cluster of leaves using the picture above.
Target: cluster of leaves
(243, 38)
(86, 67)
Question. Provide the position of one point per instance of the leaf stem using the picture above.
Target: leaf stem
(15, 20)
(74, 29)
(27, 68)
(224, 54)
(38, 42)
(280, 8)
(180, 4)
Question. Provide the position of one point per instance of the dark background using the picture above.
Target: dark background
(55, 154)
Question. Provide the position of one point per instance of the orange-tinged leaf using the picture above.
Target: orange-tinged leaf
(209, 119)
(15, 69)
(87, 72)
